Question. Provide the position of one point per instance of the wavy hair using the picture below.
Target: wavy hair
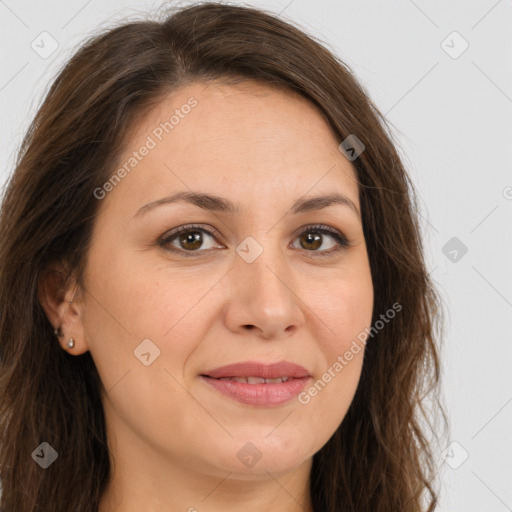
(380, 459)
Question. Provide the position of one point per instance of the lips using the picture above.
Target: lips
(258, 384)
(252, 372)
(261, 395)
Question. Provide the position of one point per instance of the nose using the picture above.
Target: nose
(263, 298)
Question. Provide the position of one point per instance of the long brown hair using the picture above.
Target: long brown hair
(381, 458)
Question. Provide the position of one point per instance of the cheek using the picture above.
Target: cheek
(131, 302)
(132, 319)
(139, 299)
(328, 397)
(344, 307)
(345, 310)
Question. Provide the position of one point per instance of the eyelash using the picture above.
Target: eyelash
(341, 239)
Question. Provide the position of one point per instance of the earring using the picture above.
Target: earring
(71, 341)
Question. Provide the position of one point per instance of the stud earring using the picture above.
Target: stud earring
(71, 343)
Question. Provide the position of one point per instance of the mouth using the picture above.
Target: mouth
(259, 384)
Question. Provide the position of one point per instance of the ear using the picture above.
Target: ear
(60, 297)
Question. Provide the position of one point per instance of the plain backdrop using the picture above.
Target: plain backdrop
(441, 72)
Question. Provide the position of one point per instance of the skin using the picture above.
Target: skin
(174, 439)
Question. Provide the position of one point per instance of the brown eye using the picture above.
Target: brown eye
(188, 239)
(313, 237)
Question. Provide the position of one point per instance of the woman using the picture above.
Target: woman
(213, 289)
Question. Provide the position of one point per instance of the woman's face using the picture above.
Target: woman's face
(257, 281)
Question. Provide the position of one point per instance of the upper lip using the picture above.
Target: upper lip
(258, 369)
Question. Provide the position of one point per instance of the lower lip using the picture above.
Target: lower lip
(263, 395)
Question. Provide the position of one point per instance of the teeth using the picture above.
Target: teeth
(256, 380)
(274, 381)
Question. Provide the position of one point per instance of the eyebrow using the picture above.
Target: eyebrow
(222, 205)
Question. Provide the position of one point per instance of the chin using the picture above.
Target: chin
(260, 455)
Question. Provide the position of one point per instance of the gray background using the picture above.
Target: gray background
(451, 115)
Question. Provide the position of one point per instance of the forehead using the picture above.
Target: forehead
(246, 138)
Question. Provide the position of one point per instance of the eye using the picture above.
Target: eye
(189, 239)
(312, 238)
